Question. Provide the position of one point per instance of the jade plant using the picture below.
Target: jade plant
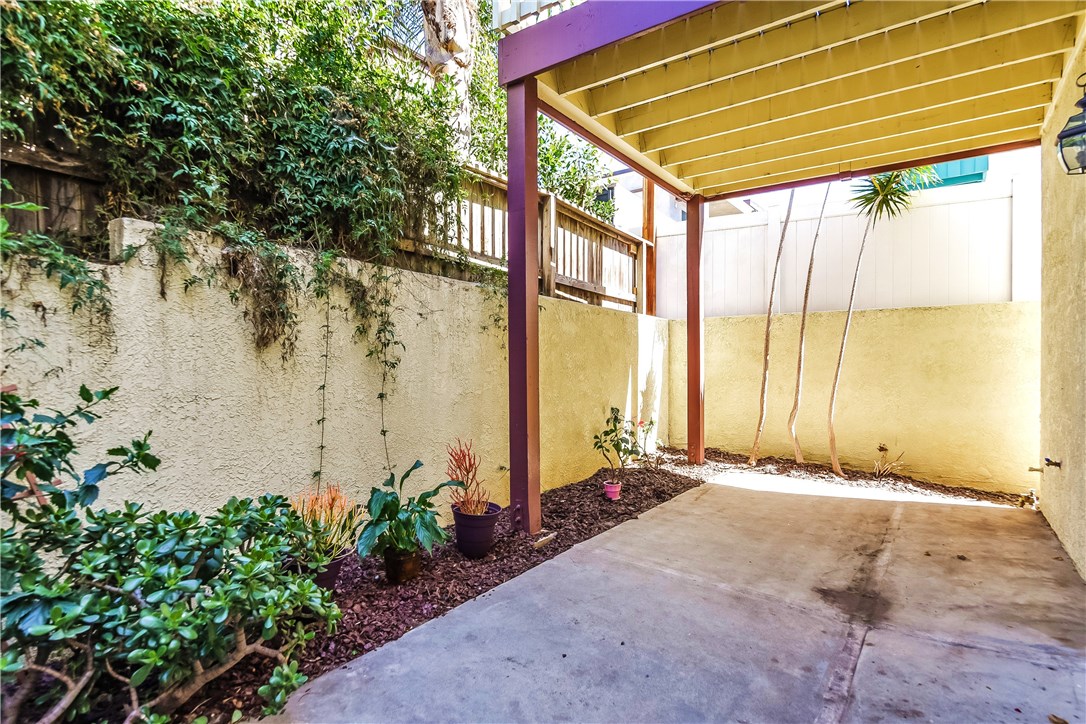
(401, 523)
(131, 607)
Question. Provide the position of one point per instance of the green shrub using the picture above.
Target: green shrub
(155, 605)
(403, 524)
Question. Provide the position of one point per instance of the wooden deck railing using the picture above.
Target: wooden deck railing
(580, 257)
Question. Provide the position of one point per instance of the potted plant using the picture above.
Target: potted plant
(333, 520)
(618, 444)
(398, 526)
(474, 516)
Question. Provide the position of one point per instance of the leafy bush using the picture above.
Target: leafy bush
(151, 604)
(402, 523)
(618, 444)
(569, 167)
(290, 118)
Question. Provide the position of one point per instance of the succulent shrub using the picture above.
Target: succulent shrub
(151, 604)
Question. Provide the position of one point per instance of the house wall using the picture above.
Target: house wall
(953, 388)
(229, 420)
(970, 244)
(1063, 332)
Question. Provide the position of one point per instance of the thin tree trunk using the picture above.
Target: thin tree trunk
(768, 323)
(803, 334)
(841, 355)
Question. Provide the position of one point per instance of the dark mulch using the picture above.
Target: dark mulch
(861, 478)
(375, 613)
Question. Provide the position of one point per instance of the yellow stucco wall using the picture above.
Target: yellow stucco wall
(955, 388)
(1063, 333)
(229, 420)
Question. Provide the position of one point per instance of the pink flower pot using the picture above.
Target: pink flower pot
(612, 490)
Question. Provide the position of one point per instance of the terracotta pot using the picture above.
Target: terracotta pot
(475, 533)
(327, 578)
(401, 566)
(612, 490)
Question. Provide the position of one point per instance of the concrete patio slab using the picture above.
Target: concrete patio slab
(750, 605)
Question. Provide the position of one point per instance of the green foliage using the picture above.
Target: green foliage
(36, 450)
(87, 288)
(262, 122)
(152, 604)
(402, 523)
(618, 443)
(889, 194)
(569, 167)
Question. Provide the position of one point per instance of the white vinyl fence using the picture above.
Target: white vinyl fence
(961, 245)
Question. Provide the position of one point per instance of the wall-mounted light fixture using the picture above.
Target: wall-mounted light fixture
(1071, 141)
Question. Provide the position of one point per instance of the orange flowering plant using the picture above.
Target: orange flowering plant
(332, 516)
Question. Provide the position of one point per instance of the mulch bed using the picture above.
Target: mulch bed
(854, 478)
(375, 613)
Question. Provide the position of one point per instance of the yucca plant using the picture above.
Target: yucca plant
(332, 516)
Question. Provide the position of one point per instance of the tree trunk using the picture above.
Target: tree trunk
(803, 334)
(841, 355)
(768, 323)
(450, 34)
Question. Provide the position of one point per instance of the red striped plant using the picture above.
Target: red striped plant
(463, 465)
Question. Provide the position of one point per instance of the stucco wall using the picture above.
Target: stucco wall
(229, 420)
(954, 388)
(1063, 333)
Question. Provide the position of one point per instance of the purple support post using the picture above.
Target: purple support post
(523, 307)
(695, 330)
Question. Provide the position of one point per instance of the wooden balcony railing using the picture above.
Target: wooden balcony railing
(580, 257)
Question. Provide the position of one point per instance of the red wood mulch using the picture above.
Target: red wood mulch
(375, 613)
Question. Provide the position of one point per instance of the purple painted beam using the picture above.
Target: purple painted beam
(695, 331)
(523, 307)
(582, 29)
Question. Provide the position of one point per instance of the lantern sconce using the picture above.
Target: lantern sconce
(1071, 141)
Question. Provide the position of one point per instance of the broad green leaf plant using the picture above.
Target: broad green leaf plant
(144, 607)
(402, 523)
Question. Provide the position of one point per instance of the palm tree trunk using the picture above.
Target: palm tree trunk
(768, 322)
(803, 334)
(841, 355)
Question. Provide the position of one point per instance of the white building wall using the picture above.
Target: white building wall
(970, 244)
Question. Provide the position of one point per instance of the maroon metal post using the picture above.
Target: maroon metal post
(523, 307)
(695, 328)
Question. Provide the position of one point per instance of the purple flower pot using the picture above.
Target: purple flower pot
(475, 533)
(327, 578)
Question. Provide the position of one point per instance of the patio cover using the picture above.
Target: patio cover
(714, 99)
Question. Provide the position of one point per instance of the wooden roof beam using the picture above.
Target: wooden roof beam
(853, 150)
(808, 36)
(778, 103)
(1008, 29)
(902, 158)
(720, 25)
(871, 119)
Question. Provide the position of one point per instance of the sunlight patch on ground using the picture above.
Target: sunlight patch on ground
(801, 486)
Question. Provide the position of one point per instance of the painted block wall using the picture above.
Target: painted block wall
(1063, 331)
(954, 388)
(229, 420)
